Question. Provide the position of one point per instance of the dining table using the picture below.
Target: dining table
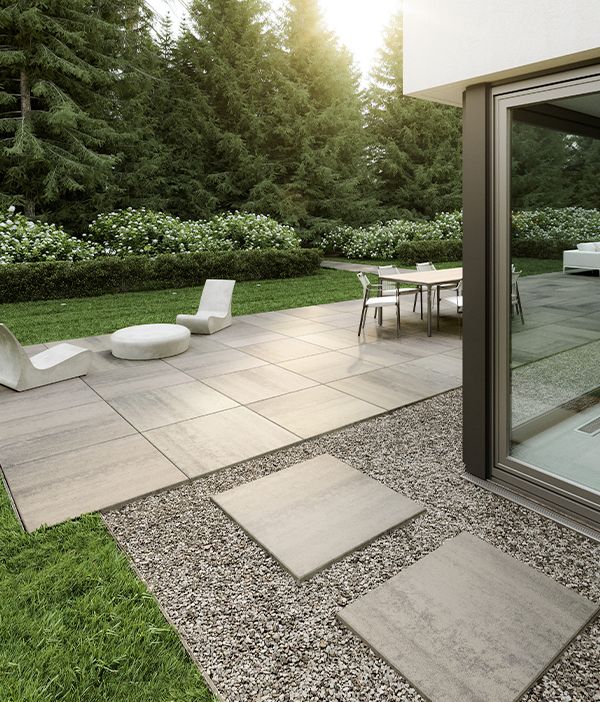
(429, 280)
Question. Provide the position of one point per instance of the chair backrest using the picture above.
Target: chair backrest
(364, 281)
(387, 270)
(459, 289)
(216, 296)
(427, 266)
(13, 358)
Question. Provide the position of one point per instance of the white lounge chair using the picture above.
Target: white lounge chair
(214, 311)
(60, 362)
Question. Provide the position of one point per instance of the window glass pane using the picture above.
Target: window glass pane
(555, 315)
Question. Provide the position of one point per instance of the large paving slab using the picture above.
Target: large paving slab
(51, 490)
(315, 512)
(468, 623)
(149, 375)
(329, 366)
(51, 433)
(315, 410)
(157, 408)
(203, 445)
(258, 383)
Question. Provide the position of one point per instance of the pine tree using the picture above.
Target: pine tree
(54, 81)
(323, 143)
(414, 146)
(230, 53)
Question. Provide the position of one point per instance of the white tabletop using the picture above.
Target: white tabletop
(427, 278)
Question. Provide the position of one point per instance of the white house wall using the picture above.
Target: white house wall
(450, 44)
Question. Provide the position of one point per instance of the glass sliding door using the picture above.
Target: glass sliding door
(547, 327)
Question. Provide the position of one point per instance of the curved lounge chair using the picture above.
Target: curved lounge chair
(19, 372)
(214, 312)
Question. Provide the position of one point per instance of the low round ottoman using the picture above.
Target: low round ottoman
(147, 341)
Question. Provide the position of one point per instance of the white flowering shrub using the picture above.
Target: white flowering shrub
(23, 241)
(381, 240)
(574, 224)
(135, 232)
(251, 231)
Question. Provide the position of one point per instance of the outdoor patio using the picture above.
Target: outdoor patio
(130, 428)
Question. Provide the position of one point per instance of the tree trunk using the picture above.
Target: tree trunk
(29, 205)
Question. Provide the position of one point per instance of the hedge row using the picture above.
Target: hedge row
(21, 282)
(437, 251)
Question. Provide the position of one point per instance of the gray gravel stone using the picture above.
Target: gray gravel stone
(262, 636)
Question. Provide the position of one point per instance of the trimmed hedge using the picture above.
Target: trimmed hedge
(542, 248)
(22, 282)
(434, 250)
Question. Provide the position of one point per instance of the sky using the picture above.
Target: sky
(359, 24)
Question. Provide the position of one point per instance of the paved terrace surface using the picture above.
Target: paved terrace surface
(130, 428)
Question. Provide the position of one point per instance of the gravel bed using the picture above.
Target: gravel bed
(262, 637)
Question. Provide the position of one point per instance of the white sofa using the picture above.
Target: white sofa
(584, 257)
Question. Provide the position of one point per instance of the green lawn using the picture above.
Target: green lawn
(77, 625)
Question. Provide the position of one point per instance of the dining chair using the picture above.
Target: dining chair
(377, 302)
(457, 301)
(515, 295)
(388, 287)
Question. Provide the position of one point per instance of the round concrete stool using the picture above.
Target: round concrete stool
(147, 341)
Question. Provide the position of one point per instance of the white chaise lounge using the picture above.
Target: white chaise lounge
(214, 312)
(60, 362)
(585, 257)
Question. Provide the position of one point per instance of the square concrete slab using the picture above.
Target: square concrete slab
(149, 375)
(204, 365)
(48, 398)
(329, 366)
(396, 386)
(157, 408)
(258, 383)
(285, 350)
(52, 490)
(206, 444)
(469, 623)
(315, 410)
(316, 512)
(56, 432)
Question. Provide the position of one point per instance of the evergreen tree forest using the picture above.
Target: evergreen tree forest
(102, 107)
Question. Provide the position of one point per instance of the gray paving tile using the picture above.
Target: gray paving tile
(440, 363)
(203, 365)
(284, 350)
(203, 445)
(383, 353)
(329, 366)
(148, 375)
(52, 490)
(69, 393)
(315, 512)
(469, 623)
(315, 410)
(396, 386)
(58, 431)
(156, 408)
(335, 339)
(258, 383)
(243, 334)
(93, 343)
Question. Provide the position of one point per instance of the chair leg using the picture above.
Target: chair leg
(520, 306)
(398, 317)
(363, 315)
(438, 309)
(421, 294)
(415, 301)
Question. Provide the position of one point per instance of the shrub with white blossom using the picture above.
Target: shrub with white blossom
(574, 224)
(23, 241)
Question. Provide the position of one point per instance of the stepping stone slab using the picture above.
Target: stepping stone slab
(315, 512)
(468, 623)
